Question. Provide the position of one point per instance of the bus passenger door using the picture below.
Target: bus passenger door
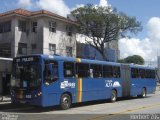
(125, 80)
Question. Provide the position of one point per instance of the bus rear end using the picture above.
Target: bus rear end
(26, 80)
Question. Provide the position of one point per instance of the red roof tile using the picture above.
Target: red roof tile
(34, 13)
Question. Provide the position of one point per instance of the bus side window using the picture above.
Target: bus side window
(133, 72)
(69, 69)
(82, 70)
(50, 73)
(147, 73)
(107, 71)
(142, 73)
(136, 73)
(116, 72)
(96, 71)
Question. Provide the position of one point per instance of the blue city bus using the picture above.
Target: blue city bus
(45, 80)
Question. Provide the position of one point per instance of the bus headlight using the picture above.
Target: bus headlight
(39, 93)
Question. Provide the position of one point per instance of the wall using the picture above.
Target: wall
(29, 37)
(8, 37)
(60, 38)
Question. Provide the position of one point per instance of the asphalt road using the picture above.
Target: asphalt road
(128, 108)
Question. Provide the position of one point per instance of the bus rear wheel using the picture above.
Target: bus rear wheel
(113, 96)
(65, 102)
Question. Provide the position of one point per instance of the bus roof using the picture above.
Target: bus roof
(132, 65)
(72, 59)
(141, 66)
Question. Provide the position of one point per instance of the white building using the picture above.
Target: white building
(24, 32)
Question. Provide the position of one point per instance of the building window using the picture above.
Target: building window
(22, 26)
(52, 48)
(22, 48)
(5, 27)
(34, 27)
(52, 26)
(34, 46)
(69, 51)
(69, 30)
(5, 50)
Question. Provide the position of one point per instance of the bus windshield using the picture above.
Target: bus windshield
(26, 76)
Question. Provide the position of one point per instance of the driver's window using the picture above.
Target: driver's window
(50, 72)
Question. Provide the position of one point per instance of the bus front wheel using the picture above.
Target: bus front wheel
(113, 96)
(65, 102)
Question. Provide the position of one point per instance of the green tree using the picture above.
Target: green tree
(121, 61)
(133, 59)
(103, 24)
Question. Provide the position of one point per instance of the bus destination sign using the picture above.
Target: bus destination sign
(26, 59)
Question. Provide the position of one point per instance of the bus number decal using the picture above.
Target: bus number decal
(66, 84)
(110, 83)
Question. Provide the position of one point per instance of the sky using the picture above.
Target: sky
(146, 43)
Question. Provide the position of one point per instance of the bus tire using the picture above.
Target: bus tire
(65, 101)
(144, 93)
(113, 96)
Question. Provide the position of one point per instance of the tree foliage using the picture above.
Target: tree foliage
(133, 59)
(103, 24)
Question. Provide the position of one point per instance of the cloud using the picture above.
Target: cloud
(154, 28)
(26, 4)
(135, 46)
(148, 48)
(103, 3)
(77, 6)
(56, 6)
